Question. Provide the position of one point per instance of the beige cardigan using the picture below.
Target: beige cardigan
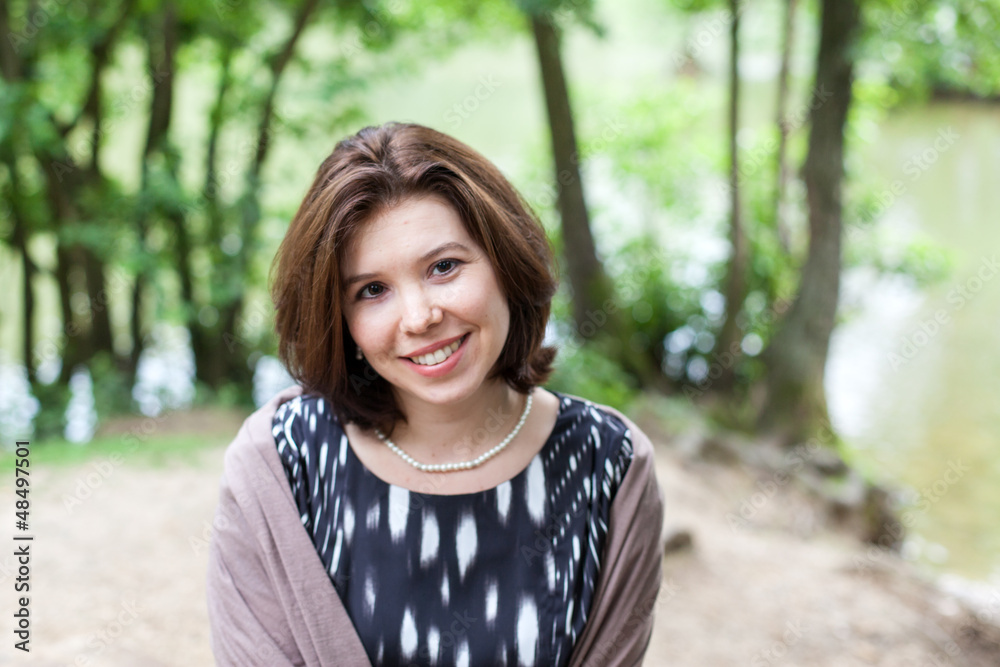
(271, 602)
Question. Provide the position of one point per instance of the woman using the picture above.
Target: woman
(419, 498)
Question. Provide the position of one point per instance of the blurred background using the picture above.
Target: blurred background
(718, 265)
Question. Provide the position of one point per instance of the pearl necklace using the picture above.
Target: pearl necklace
(459, 465)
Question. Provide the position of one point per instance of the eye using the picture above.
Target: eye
(444, 266)
(370, 291)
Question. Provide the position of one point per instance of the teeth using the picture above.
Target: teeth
(437, 357)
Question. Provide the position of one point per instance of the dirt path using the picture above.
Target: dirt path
(118, 578)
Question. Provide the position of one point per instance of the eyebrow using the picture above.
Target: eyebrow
(445, 247)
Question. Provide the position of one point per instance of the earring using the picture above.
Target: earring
(358, 354)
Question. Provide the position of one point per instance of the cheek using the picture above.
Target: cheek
(368, 324)
(494, 309)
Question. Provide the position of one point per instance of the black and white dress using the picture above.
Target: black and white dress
(503, 576)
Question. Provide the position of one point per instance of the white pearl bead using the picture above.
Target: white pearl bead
(459, 465)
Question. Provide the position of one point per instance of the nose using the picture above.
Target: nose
(419, 311)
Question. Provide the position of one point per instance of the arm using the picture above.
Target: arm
(270, 601)
(247, 623)
(621, 619)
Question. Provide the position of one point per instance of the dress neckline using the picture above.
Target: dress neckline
(549, 443)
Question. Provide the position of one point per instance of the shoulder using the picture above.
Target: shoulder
(301, 414)
(256, 434)
(605, 431)
(301, 429)
(620, 433)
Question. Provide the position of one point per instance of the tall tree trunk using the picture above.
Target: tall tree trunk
(232, 343)
(587, 279)
(100, 336)
(210, 365)
(796, 358)
(10, 64)
(210, 191)
(780, 208)
(730, 336)
(70, 262)
(591, 287)
(28, 269)
(162, 43)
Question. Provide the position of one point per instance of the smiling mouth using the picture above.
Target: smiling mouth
(438, 356)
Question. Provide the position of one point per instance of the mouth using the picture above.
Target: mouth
(440, 355)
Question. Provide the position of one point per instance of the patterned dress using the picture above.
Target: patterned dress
(502, 576)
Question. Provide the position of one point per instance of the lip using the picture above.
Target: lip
(445, 366)
(433, 347)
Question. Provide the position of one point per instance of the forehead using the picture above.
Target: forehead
(405, 232)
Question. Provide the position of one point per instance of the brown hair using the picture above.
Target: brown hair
(366, 175)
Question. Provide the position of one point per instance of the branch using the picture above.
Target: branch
(278, 64)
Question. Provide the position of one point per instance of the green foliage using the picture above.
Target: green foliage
(585, 371)
(51, 417)
(134, 448)
(945, 48)
(112, 393)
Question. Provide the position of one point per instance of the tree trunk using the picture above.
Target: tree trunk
(587, 280)
(590, 285)
(780, 212)
(28, 269)
(210, 365)
(231, 344)
(795, 403)
(730, 337)
(100, 338)
(70, 261)
(162, 43)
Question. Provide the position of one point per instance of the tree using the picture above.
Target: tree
(596, 315)
(586, 273)
(736, 270)
(780, 214)
(795, 402)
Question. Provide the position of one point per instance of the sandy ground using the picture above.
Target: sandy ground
(118, 578)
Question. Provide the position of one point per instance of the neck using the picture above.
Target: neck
(458, 431)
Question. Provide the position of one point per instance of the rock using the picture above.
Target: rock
(829, 463)
(718, 450)
(677, 539)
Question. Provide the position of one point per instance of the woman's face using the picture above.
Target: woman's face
(422, 301)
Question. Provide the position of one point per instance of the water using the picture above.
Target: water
(915, 397)
(914, 376)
